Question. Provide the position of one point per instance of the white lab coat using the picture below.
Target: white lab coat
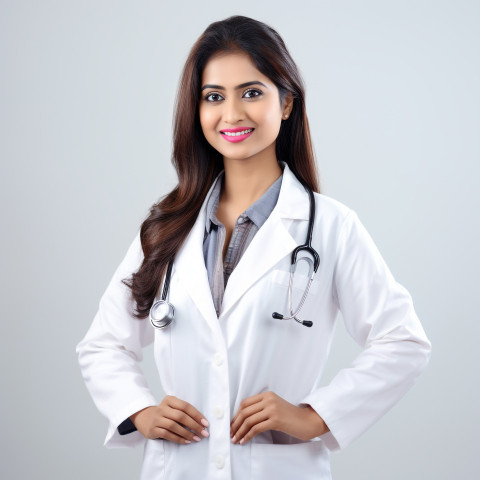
(214, 363)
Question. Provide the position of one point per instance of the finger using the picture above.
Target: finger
(190, 410)
(178, 429)
(165, 434)
(174, 427)
(255, 430)
(251, 425)
(186, 420)
(247, 402)
(243, 415)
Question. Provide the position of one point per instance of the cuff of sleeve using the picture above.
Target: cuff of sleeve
(332, 439)
(114, 438)
(126, 427)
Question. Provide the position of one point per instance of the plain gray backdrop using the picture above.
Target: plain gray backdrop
(86, 101)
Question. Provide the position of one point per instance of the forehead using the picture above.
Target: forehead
(229, 69)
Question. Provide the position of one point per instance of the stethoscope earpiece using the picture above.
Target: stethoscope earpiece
(279, 316)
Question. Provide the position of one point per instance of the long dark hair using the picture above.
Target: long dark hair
(197, 163)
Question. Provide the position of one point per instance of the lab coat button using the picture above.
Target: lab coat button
(219, 461)
(218, 412)
(218, 359)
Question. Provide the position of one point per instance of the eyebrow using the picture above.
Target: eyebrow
(242, 85)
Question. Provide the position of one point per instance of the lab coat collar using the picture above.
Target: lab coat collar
(293, 197)
(270, 245)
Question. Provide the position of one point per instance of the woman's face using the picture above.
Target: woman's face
(240, 110)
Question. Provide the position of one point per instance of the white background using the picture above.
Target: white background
(86, 101)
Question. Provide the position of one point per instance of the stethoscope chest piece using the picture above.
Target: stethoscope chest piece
(161, 311)
(161, 314)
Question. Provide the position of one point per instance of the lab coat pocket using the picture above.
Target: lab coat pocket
(282, 277)
(153, 467)
(308, 461)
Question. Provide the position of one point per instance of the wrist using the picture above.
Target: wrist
(137, 416)
(317, 425)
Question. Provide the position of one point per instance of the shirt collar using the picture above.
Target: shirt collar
(258, 212)
(212, 203)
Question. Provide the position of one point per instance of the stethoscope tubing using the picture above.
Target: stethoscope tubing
(302, 300)
(168, 310)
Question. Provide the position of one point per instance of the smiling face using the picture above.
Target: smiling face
(240, 110)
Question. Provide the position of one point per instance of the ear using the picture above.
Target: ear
(287, 106)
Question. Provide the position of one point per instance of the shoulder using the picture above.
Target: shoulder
(339, 223)
(327, 208)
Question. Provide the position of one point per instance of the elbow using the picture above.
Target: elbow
(418, 353)
(408, 348)
(422, 345)
(426, 349)
(80, 350)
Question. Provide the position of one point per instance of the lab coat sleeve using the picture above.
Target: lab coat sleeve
(378, 313)
(110, 353)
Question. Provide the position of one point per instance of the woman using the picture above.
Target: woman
(242, 397)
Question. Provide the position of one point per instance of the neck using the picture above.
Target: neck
(248, 179)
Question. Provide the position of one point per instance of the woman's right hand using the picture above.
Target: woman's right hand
(169, 419)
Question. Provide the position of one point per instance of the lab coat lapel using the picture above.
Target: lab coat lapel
(271, 243)
(190, 266)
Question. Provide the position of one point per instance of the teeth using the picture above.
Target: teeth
(236, 134)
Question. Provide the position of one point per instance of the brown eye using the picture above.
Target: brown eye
(213, 97)
(252, 93)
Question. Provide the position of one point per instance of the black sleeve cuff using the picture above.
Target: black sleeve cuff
(126, 427)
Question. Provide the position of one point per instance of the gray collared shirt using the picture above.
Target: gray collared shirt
(246, 226)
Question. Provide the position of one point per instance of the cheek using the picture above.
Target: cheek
(206, 121)
(271, 119)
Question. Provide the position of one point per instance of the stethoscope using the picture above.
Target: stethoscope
(162, 312)
(312, 267)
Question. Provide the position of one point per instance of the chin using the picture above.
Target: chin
(238, 157)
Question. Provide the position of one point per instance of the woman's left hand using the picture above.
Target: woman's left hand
(268, 411)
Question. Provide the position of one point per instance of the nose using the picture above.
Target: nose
(233, 111)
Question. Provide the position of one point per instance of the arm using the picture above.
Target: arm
(110, 353)
(379, 314)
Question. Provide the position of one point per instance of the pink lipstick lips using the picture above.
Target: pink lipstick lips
(235, 135)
